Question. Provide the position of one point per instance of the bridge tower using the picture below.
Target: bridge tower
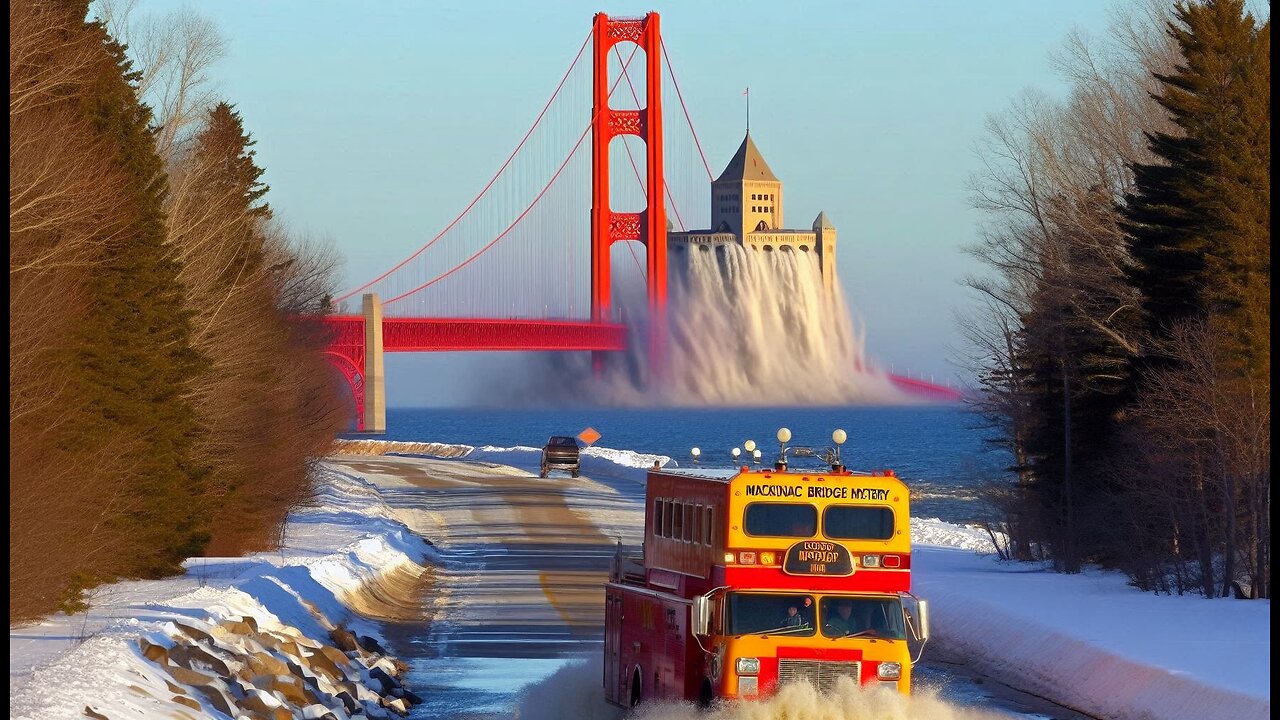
(650, 225)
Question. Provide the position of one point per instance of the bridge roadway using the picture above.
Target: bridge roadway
(515, 597)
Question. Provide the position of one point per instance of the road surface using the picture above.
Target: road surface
(515, 601)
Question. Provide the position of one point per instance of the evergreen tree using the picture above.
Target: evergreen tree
(1199, 232)
(134, 356)
(228, 148)
(1198, 219)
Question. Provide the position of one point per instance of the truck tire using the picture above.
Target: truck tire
(543, 472)
(706, 696)
(573, 472)
(635, 688)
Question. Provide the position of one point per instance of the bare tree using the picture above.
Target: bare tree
(1207, 429)
(1053, 175)
(173, 54)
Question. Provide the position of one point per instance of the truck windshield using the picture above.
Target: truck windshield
(758, 614)
(844, 616)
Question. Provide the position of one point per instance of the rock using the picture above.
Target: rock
(262, 703)
(157, 654)
(387, 666)
(320, 662)
(399, 705)
(237, 627)
(344, 639)
(318, 712)
(218, 699)
(187, 676)
(291, 689)
(174, 688)
(370, 644)
(265, 664)
(189, 702)
(90, 712)
(192, 656)
(412, 697)
(194, 633)
(334, 655)
(348, 701)
(283, 644)
(387, 682)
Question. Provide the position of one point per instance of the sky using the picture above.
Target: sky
(377, 122)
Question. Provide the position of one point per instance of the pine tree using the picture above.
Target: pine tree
(134, 356)
(239, 327)
(1198, 220)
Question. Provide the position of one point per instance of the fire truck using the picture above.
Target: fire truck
(753, 578)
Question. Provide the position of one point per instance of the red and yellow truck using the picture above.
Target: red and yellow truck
(754, 578)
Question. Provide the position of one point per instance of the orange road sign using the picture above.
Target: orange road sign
(589, 436)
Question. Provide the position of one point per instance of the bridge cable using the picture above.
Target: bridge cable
(671, 71)
(489, 185)
(526, 211)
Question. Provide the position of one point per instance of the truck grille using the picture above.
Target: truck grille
(821, 674)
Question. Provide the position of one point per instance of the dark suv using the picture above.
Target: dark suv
(560, 453)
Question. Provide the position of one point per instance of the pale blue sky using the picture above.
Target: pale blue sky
(377, 122)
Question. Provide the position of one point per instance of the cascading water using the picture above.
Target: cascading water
(746, 327)
(754, 326)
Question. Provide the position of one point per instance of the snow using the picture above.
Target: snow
(344, 539)
(1091, 642)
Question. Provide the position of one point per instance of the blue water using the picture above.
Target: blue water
(935, 449)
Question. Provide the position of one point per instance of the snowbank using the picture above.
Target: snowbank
(262, 632)
(1091, 642)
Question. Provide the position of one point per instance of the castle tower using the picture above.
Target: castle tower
(825, 244)
(746, 194)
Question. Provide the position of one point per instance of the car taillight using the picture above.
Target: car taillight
(747, 557)
(768, 558)
(892, 561)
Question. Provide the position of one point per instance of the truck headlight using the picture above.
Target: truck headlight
(889, 671)
(748, 666)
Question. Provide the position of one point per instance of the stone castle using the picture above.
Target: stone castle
(746, 209)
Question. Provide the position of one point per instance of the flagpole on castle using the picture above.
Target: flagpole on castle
(747, 94)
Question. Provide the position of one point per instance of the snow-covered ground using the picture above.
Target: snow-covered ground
(292, 597)
(1087, 641)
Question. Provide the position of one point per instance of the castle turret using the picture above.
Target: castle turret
(825, 230)
(747, 196)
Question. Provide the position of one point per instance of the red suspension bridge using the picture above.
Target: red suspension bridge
(531, 262)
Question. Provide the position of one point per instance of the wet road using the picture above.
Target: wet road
(517, 593)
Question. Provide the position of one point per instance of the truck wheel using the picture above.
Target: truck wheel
(635, 688)
(706, 696)
(543, 472)
(573, 473)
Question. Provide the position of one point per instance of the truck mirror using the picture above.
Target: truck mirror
(700, 613)
(922, 619)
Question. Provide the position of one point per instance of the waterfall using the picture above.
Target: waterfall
(756, 327)
(745, 327)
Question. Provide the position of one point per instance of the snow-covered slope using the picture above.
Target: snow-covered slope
(271, 610)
